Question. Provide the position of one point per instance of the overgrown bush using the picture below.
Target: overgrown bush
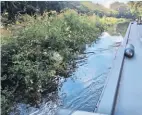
(40, 52)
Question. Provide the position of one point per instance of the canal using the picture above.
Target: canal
(81, 91)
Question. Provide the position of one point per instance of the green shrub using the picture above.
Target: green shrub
(34, 57)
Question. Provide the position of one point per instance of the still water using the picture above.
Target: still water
(81, 91)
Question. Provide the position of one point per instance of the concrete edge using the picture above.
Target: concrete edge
(106, 102)
(77, 112)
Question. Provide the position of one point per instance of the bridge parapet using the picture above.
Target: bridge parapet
(107, 101)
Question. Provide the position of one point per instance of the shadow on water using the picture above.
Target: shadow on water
(81, 91)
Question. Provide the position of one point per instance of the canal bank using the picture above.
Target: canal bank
(85, 85)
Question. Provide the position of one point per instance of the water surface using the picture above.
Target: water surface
(82, 90)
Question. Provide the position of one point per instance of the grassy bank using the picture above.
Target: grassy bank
(39, 50)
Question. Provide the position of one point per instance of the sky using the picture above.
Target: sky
(106, 3)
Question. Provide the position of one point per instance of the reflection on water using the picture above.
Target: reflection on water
(83, 88)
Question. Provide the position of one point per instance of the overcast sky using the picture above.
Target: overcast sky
(106, 3)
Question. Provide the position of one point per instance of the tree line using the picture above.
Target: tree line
(14, 8)
(120, 10)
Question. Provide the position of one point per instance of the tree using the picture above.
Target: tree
(135, 7)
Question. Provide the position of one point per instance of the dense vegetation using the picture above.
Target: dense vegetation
(132, 9)
(136, 7)
(43, 44)
(12, 9)
(41, 50)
